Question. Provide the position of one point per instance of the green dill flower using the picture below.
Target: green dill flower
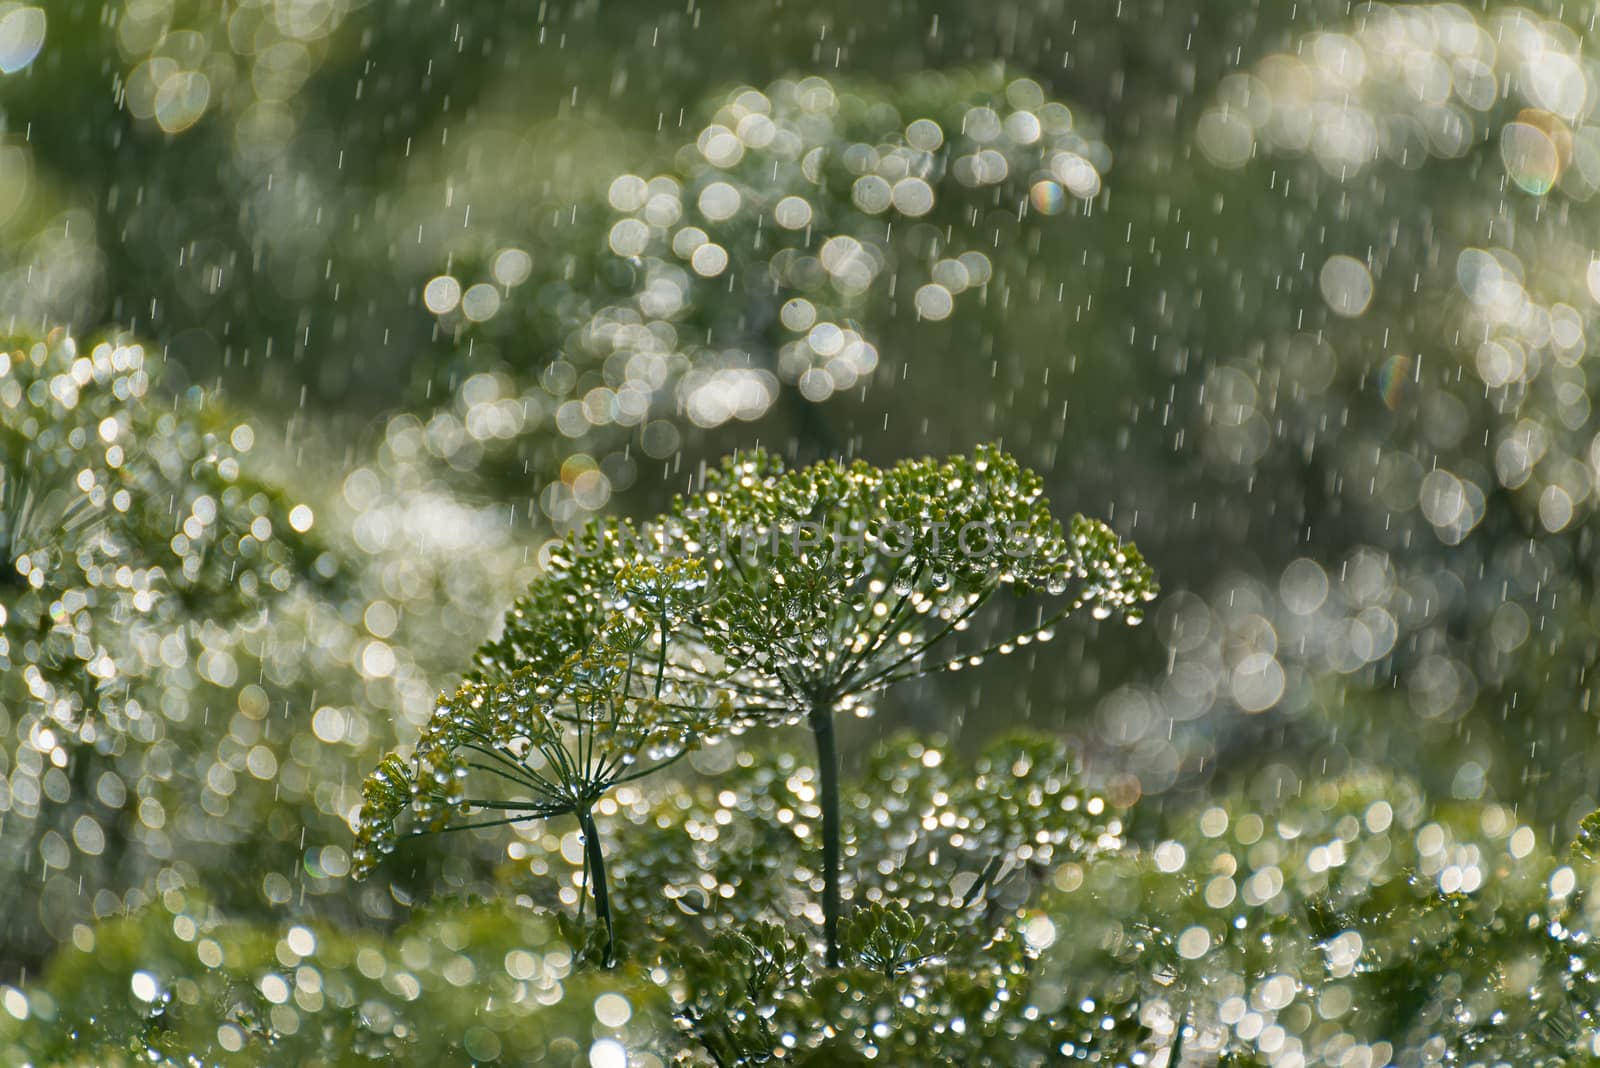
(771, 596)
(534, 744)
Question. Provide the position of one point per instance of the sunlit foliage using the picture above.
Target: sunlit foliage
(459, 983)
(1420, 401)
(772, 596)
(767, 255)
(136, 546)
(1000, 914)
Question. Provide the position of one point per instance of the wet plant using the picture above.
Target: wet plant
(138, 539)
(762, 265)
(1347, 913)
(947, 951)
(537, 743)
(773, 596)
(835, 582)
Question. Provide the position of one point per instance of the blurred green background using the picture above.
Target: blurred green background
(1295, 295)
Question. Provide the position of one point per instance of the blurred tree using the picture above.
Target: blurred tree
(136, 544)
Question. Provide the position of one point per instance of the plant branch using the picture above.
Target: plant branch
(595, 861)
(821, 722)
